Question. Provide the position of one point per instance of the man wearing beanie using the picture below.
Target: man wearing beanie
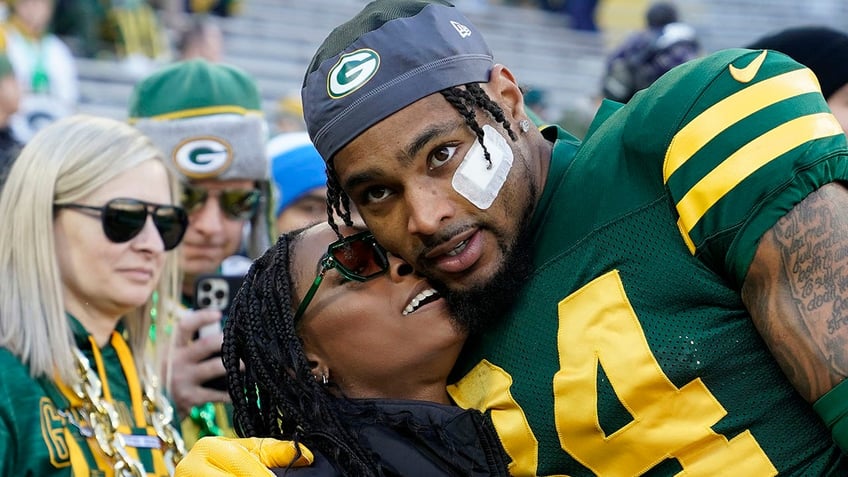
(665, 298)
(300, 184)
(823, 50)
(207, 120)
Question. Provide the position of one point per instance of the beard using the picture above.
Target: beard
(476, 308)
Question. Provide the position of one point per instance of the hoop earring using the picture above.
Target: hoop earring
(325, 379)
(524, 125)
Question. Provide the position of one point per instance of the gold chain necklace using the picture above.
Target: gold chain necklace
(104, 421)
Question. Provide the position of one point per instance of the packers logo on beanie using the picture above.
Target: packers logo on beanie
(206, 117)
(393, 53)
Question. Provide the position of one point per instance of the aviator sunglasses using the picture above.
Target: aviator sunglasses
(123, 219)
(357, 257)
(237, 204)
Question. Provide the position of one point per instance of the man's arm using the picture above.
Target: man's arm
(797, 291)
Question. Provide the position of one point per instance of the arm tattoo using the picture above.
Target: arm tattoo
(797, 291)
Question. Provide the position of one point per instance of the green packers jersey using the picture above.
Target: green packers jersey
(43, 434)
(630, 351)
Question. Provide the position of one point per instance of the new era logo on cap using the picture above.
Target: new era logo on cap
(351, 72)
(463, 30)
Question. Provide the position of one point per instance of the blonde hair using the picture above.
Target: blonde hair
(64, 162)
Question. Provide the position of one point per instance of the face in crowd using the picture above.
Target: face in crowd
(218, 211)
(109, 276)
(309, 209)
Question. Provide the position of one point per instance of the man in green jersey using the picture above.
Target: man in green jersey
(667, 297)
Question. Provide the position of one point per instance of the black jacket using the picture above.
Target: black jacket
(448, 441)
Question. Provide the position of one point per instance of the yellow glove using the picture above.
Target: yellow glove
(250, 456)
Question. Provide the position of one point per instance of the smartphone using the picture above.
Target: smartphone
(216, 291)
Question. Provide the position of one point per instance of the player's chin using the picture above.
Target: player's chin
(475, 277)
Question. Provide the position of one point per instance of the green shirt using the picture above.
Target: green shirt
(629, 351)
(41, 434)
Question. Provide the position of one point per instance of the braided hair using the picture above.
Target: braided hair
(466, 100)
(275, 393)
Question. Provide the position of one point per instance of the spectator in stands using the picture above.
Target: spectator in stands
(825, 51)
(137, 35)
(207, 118)
(646, 55)
(79, 24)
(10, 96)
(43, 64)
(177, 13)
(128, 30)
(202, 38)
(300, 183)
(86, 262)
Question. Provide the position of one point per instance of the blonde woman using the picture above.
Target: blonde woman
(89, 221)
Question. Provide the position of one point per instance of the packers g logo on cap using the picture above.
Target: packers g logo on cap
(351, 72)
(203, 157)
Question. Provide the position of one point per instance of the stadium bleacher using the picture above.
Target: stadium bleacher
(275, 39)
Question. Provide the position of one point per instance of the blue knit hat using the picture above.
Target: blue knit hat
(296, 168)
(393, 53)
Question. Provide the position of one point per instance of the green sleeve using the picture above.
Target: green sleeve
(833, 409)
(744, 135)
(31, 430)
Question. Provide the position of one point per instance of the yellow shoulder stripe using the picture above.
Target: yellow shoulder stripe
(747, 160)
(727, 112)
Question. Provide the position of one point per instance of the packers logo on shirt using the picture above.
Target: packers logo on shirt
(53, 433)
(351, 72)
(203, 157)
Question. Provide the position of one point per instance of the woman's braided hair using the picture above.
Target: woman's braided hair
(467, 100)
(275, 393)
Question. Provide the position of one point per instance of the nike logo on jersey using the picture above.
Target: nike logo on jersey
(746, 74)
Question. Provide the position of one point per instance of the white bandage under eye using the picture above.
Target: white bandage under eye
(474, 179)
